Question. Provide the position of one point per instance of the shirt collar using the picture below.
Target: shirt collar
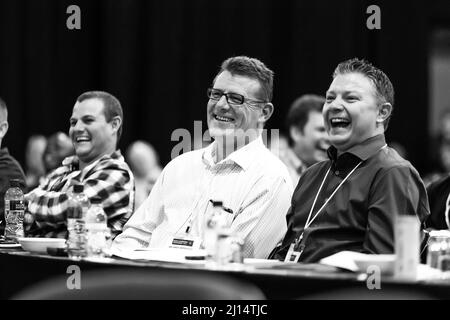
(363, 150)
(73, 162)
(243, 157)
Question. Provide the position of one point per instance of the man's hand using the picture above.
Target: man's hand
(28, 218)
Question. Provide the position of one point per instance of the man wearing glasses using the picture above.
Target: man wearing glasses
(236, 169)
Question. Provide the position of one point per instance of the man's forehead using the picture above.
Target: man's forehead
(237, 82)
(92, 106)
(353, 81)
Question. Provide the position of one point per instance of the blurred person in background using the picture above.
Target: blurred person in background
(308, 140)
(59, 146)
(440, 151)
(95, 130)
(9, 167)
(34, 160)
(144, 163)
(278, 145)
(438, 181)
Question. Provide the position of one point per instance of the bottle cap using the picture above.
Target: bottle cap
(78, 188)
(216, 203)
(96, 200)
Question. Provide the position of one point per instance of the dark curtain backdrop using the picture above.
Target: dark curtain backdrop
(158, 58)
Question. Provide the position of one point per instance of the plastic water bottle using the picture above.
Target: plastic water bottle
(98, 232)
(76, 214)
(14, 211)
(215, 221)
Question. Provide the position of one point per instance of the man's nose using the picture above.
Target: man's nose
(78, 126)
(223, 102)
(337, 104)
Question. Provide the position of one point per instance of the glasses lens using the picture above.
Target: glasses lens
(214, 94)
(235, 98)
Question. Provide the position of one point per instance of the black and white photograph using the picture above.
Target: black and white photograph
(241, 152)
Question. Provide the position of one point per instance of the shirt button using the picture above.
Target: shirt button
(337, 172)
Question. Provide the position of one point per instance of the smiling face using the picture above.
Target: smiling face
(311, 144)
(92, 136)
(351, 111)
(225, 120)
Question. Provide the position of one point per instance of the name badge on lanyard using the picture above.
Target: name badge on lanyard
(296, 248)
(294, 253)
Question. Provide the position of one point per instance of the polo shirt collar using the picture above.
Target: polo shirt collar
(73, 162)
(363, 150)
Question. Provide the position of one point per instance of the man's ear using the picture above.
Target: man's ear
(116, 123)
(3, 129)
(384, 112)
(295, 133)
(266, 112)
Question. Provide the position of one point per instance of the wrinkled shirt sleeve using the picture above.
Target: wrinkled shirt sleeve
(396, 191)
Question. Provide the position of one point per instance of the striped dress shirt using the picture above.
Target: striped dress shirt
(251, 181)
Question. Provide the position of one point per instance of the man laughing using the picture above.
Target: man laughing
(350, 201)
(95, 129)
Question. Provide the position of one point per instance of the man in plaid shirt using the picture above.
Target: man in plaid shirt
(95, 129)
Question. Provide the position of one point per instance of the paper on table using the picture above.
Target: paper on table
(343, 259)
(262, 262)
(346, 260)
(162, 254)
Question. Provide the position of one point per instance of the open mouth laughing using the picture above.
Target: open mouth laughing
(81, 139)
(339, 122)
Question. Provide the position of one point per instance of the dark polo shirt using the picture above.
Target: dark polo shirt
(360, 216)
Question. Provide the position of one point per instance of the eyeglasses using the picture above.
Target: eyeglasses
(234, 99)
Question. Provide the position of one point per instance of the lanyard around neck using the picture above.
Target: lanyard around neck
(293, 254)
(310, 220)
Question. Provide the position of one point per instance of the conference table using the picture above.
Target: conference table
(20, 269)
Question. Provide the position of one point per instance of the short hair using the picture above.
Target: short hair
(383, 86)
(251, 68)
(3, 109)
(298, 114)
(111, 106)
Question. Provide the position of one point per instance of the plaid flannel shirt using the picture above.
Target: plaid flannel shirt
(109, 177)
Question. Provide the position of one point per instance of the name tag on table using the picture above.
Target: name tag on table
(183, 241)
